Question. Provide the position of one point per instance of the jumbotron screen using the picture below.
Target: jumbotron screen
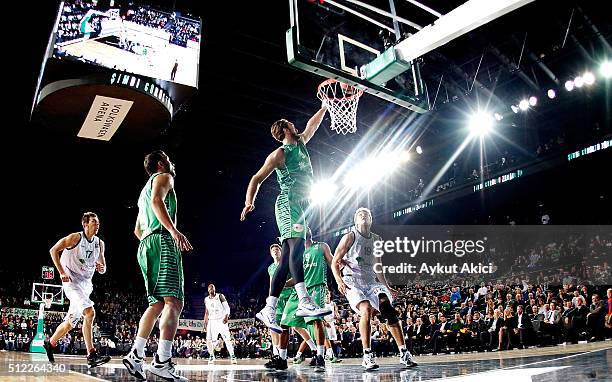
(130, 36)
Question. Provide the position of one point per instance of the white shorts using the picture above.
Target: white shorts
(332, 335)
(77, 291)
(216, 327)
(359, 292)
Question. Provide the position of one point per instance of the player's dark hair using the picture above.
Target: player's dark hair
(151, 159)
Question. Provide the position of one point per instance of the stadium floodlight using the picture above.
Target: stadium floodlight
(551, 93)
(419, 150)
(405, 156)
(480, 124)
(498, 116)
(533, 101)
(569, 85)
(368, 172)
(589, 78)
(322, 191)
(524, 105)
(606, 69)
(514, 108)
(578, 82)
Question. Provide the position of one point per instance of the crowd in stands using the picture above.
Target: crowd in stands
(68, 27)
(180, 29)
(148, 17)
(556, 306)
(550, 292)
(184, 30)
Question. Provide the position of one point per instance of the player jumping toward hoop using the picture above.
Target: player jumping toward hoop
(294, 172)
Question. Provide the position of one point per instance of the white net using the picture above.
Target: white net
(342, 100)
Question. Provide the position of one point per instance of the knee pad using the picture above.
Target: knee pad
(388, 312)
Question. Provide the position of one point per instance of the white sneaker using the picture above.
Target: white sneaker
(307, 308)
(268, 316)
(234, 360)
(406, 359)
(165, 370)
(133, 364)
(211, 360)
(368, 361)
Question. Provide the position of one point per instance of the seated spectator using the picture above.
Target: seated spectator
(595, 319)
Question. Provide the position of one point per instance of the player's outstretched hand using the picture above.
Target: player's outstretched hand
(181, 241)
(247, 208)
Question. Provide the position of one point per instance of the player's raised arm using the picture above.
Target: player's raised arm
(313, 124)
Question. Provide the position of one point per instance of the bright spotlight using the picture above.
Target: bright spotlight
(578, 82)
(606, 69)
(514, 108)
(524, 104)
(533, 101)
(480, 124)
(367, 173)
(588, 78)
(405, 156)
(322, 191)
(569, 85)
(551, 93)
(419, 150)
(498, 116)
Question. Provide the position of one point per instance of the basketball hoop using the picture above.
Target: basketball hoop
(341, 100)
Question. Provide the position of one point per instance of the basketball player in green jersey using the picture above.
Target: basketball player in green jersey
(294, 172)
(159, 256)
(275, 252)
(317, 257)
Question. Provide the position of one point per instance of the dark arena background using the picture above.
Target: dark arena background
(473, 120)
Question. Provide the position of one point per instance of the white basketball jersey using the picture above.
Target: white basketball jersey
(360, 258)
(330, 317)
(80, 260)
(214, 307)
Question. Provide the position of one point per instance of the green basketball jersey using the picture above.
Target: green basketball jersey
(286, 291)
(296, 177)
(315, 266)
(146, 217)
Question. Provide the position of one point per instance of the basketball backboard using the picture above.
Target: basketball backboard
(41, 292)
(375, 45)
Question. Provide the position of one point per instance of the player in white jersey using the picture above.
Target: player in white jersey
(82, 253)
(366, 290)
(330, 326)
(215, 321)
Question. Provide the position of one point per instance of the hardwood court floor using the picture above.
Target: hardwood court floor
(592, 362)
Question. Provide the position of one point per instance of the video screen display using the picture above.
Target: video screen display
(130, 36)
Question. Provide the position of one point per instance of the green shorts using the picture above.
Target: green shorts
(290, 216)
(289, 318)
(162, 267)
(281, 303)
